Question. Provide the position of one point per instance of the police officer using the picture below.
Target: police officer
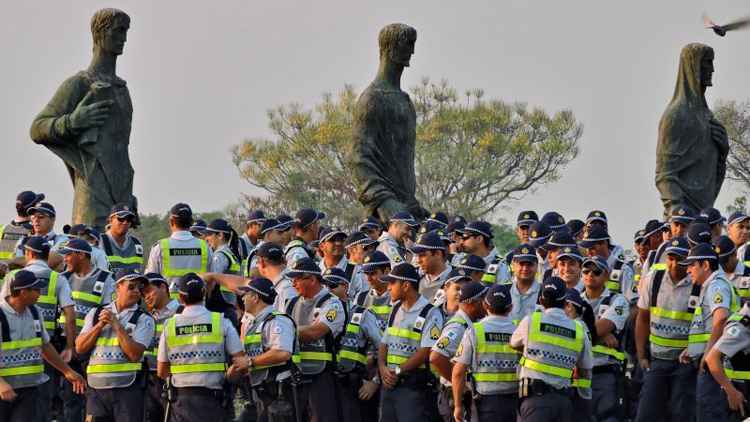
(371, 227)
(524, 288)
(576, 228)
(429, 251)
(83, 232)
(123, 249)
(676, 226)
(539, 235)
(652, 239)
(568, 267)
(161, 307)
(599, 218)
(306, 227)
(180, 253)
(611, 311)
(477, 240)
(270, 232)
(378, 300)
(269, 338)
(738, 229)
(470, 309)
(555, 348)
(252, 234)
(224, 243)
(334, 256)
(362, 334)
(597, 243)
(19, 227)
(713, 305)
(448, 298)
(559, 241)
(403, 357)
(194, 349)
(523, 225)
(25, 342)
(715, 220)
(116, 335)
(663, 320)
(473, 265)
(734, 270)
(485, 352)
(43, 223)
(730, 367)
(320, 318)
(393, 241)
(358, 245)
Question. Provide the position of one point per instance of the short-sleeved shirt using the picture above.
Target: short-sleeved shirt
(502, 273)
(285, 291)
(108, 289)
(53, 239)
(392, 249)
(521, 335)
(736, 336)
(450, 337)
(219, 262)
(674, 297)
(405, 318)
(617, 312)
(331, 312)
(467, 353)
(99, 258)
(430, 284)
(22, 327)
(294, 254)
(144, 328)
(42, 270)
(523, 303)
(368, 328)
(179, 238)
(716, 293)
(277, 334)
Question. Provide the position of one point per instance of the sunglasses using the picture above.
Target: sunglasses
(125, 220)
(468, 236)
(596, 271)
(133, 286)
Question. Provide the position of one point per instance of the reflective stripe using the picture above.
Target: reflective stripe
(668, 342)
(61, 320)
(21, 344)
(50, 298)
(86, 296)
(168, 271)
(125, 260)
(604, 350)
(104, 341)
(381, 309)
(398, 360)
(699, 338)
(581, 383)
(50, 325)
(252, 339)
(666, 313)
(659, 266)
(536, 335)
(348, 354)
(737, 375)
(22, 370)
(547, 369)
(316, 356)
(114, 367)
(486, 377)
(744, 293)
(214, 337)
(196, 367)
(613, 286)
(404, 333)
(352, 328)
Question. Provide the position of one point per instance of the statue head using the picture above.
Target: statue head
(109, 27)
(694, 74)
(707, 68)
(396, 43)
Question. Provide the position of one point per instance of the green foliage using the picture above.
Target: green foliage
(736, 120)
(472, 156)
(739, 205)
(505, 237)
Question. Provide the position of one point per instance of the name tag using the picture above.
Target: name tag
(187, 330)
(37, 326)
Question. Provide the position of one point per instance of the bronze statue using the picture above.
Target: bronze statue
(385, 132)
(691, 152)
(87, 125)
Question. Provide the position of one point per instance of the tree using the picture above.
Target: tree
(736, 120)
(472, 157)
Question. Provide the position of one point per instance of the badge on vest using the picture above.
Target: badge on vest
(615, 276)
(492, 269)
(357, 318)
(693, 302)
(37, 326)
(139, 249)
(419, 323)
(129, 328)
(98, 287)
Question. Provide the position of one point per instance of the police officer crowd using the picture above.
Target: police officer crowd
(291, 320)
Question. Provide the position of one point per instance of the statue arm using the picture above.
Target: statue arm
(52, 124)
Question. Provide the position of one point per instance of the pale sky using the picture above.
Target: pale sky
(202, 75)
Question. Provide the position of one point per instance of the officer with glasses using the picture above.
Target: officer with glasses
(123, 250)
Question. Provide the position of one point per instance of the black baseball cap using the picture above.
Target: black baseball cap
(130, 275)
(156, 279)
(334, 277)
(479, 227)
(304, 267)
(683, 214)
(498, 297)
(458, 275)
(37, 244)
(268, 225)
(699, 233)
(575, 226)
(270, 250)
(678, 246)
(593, 236)
(431, 241)
(44, 208)
(181, 210)
(526, 218)
(261, 286)
(375, 260)
(726, 248)
(255, 216)
(700, 252)
(331, 234)
(712, 215)
(191, 285)
(403, 217)
(553, 288)
(472, 263)
(438, 217)
(596, 215)
(121, 211)
(358, 238)
(198, 226)
(402, 272)
(76, 245)
(306, 217)
(28, 198)
(369, 223)
(219, 225)
(525, 253)
(472, 291)
(539, 233)
(24, 279)
(553, 220)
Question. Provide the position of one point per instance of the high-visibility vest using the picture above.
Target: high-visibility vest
(497, 362)
(234, 268)
(565, 341)
(131, 258)
(315, 356)
(737, 368)
(87, 295)
(253, 341)
(47, 302)
(176, 262)
(9, 236)
(404, 341)
(108, 366)
(195, 349)
(669, 327)
(380, 306)
(602, 349)
(698, 337)
(22, 364)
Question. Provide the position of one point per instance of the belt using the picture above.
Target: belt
(198, 392)
(539, 387)
(606, 369)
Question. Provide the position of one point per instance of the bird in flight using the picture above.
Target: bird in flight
(722, 30)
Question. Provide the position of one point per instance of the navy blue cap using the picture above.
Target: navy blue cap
(472, 291)
(575, 226)
(156, 278)
(712, 216)
(525, 253)
(375, 260)
(125, 274)
(456, 227)
(596, 261)
(699, 233)
(76, 245)
(561, 239)
(181, 210)
(526, 218)
(77, 230)
(431, 225)
(334, 276)
(37, 244)
(122, 211)
(331, 234)
(472, 263)
(726, 247)
(44, 208)
(539, 234)
(28, 198)
(594, 235)
(303, 267)
(498, 297)
(553, 220)
(403, 217)
(458, 275)
(652, 227)
(24, 279)
(285, 222)
(256, 216)
(553, 288)
(679, 246)
(306, 217)
(321, 215)
(639, 236)
(431, 241)
(93, 232)
(270, 250)
(439, 218)
(573, 297)
(359, 238)
(596, 215)
(700, 252)
(261, 286)
(369, 223)
(219, 226)
(479, 227)
(191, 285)
(402, 272)
(683, 214)
(268, 225)
(198, 225)
(571, 251)
(737, 217)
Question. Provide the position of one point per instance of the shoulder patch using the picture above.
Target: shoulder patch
(733, 331)
(331, 315)
(434, 333)
(460, 350)
(718, 298)
(443, 343)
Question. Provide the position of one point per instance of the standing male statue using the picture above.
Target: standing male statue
(691, 153)
(385, 131)
(87, 124)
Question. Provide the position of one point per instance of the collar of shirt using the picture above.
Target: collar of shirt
(387, 237)
(36, 264)
(181, 235)
(261, 315)
(171, 308)
(194, 310)
(591, 301)
(417, 306)
(499, 318)
(440, 276)
(533, 289)
(87, 275)
(113, 307)
(341, 264)
(556, 312)
(716, 275)
(490, 256)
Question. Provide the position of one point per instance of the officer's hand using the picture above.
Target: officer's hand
(388, 377)
(235, 372)
(368, 390)
(458, 414)
(66, 355)
(105, 317)
(77, 381)
(610, 341)
(90, 115)
(6, 392)
(685, 358)
(736, 400)
(645, 363)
